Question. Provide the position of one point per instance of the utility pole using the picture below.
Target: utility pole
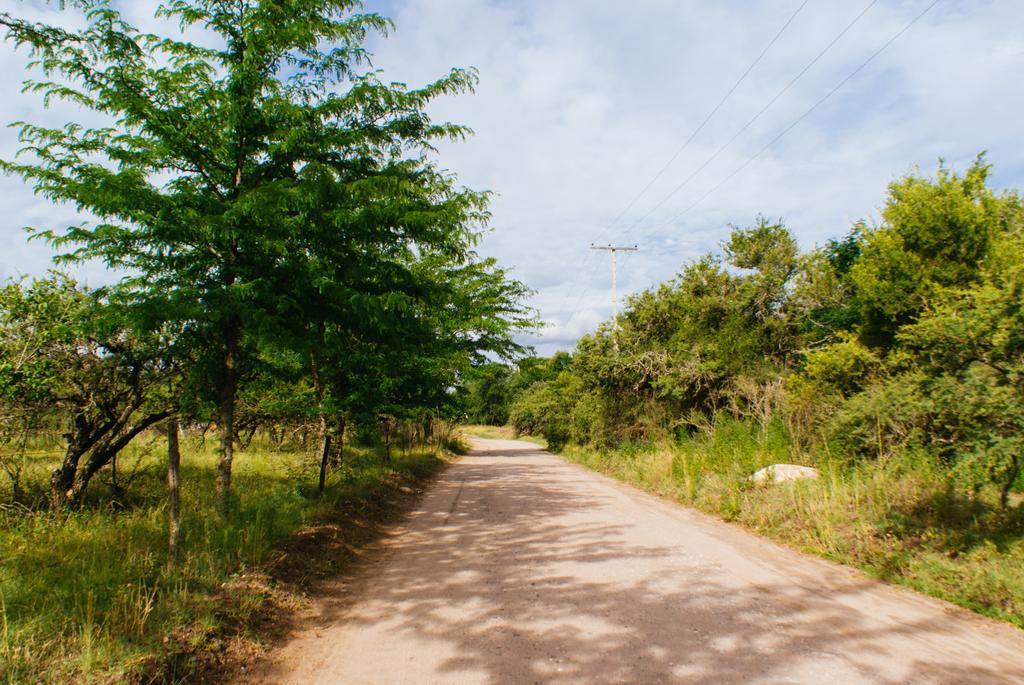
(615, 300)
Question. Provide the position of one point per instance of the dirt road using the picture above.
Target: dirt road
(520, 568)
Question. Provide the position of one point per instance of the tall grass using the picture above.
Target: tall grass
(901, 520)
(88, 595)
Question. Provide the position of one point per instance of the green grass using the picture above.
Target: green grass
(500, 433)
(899, 520)
(87, 596)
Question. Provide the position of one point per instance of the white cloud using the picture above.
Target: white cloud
(580, 103)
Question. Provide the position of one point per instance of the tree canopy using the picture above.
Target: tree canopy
(270, 201)
(899, 336)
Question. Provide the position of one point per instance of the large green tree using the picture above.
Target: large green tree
(239, 175)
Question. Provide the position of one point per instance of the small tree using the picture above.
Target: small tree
(64, 348)
(236, 178)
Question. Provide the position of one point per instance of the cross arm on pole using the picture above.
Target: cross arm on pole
(614, 248)
(615, 300)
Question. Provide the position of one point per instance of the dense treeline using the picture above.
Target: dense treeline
(292, 254)
(905, 337)
(292, 273)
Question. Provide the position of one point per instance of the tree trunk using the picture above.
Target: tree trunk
(227, 455)
(243, 443)
(325, 454)
(60, 483)
(1010, 479)
(79, 439)
(173, 499)
(14, 474)
(325, 435)
(227, 424)
(105, 452)
(428, 428)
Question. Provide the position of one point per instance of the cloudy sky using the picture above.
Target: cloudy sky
(585, 107)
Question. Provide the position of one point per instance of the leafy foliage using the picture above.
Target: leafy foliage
(901, 337)
(65, 354)
(274, 205)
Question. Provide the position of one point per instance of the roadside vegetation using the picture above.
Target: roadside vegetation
(293, 299)
(90, 595)
(891, 359)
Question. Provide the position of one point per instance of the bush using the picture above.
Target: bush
(544, 410)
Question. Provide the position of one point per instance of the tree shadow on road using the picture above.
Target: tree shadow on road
(513, 582)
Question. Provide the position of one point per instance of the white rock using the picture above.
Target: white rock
(778, 473)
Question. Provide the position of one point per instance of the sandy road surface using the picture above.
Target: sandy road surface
(520, 568)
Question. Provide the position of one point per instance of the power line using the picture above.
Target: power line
(803, 116)
(586, 289)
(689, 140)
(745, 126)
(757, 116)
(799, 119)
(711, 114)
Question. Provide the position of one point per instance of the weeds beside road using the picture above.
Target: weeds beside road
(87, 596)
(893, 519)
